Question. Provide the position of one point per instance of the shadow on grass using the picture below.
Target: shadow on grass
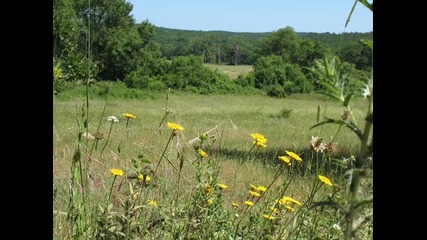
(313, 162)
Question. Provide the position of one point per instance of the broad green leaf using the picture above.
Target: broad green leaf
(347, 99)
(144, 160)
(367, 4)
(368, 43)
(341, 122)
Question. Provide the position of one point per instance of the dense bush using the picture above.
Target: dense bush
(279, 78)
(182, 73)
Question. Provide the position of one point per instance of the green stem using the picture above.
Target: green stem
(164, 151)
(108, 138)
(356, 176)
(247, 155)
(111, 189)
(257, 200)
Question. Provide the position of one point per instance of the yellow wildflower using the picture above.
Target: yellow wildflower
(152, 203)
(260, 140)
(285, 159)
(293, 155)
(325, 180)
(202, 153)
(208, 190)
(234, 204)
(253, 187)
(262, 189)
(129, 115)
(141, 177)
(268, 217)
(275, 210)
(249, 203)
(288, 200)
(175, 126)
(222, 186)
(255, 194)
(116, 172)
(290, 208)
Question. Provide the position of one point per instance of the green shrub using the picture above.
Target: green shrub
(277, 91)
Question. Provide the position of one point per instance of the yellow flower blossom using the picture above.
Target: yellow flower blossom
(141, 177)
(325, 180)
(210, 201)
(293, 155)
(254, 188)
(288, 200)
(222, 186)
(260, 140)
(275, 210)
(268, 217)
(290, 208)
(208, 190)
(202, 153)
(175, 126)
(249, 203)
(129, 115)
(116, 172)
(285, 159)
(255, 194)
(262, 189)
(234, 204)
(152, 203)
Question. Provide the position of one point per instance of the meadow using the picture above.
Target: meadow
(231, 71)
(185, 196)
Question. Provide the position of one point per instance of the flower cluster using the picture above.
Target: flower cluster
(260, 140)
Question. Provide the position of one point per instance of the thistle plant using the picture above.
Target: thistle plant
(329, 76)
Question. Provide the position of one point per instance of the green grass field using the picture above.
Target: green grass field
(231, 71)
(235, 117)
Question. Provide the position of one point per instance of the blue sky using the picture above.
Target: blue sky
(254, 15)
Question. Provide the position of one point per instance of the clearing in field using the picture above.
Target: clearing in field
(231, 71)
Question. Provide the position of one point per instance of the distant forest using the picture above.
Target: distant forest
(177, 42)
(170, 38)
(148, 57)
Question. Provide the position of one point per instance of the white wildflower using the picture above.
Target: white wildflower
(336, 226)
(317, 144)
(112, 119)
(88, 136)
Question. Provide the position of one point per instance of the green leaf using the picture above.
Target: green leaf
(144, 160)
(327, 204)
(339, 162)
(350, 125)
(368, 43)
(367, 4)
(136, 164)
(351, 13)
(347, 99)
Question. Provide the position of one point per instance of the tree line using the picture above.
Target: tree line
(105, 38)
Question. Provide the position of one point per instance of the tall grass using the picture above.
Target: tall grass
(182, 209)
